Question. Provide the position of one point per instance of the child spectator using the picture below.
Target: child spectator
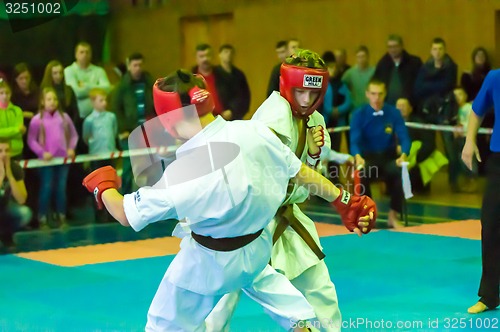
(12, 196)
(52, 134)
(100, 131)
(464, 110)
(11, 121)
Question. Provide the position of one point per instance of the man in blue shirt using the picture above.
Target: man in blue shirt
(488, 96)
(376, 131)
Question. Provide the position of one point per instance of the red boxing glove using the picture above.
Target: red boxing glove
(351, 208)
(100, 180)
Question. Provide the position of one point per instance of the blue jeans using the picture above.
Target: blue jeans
(53, 185)
(12, 218)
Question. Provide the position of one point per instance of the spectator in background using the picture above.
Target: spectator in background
(215, 83)
(398, 70)
(438, 76)
(434, 86)
(357, 77)
(274, 80)
(335, 108)
(292, 45)
(25, 94)
(464, 110)
(424, 159)
(377, 129)
(12, 197)
(83, 76)
(132, 102)
(52, 134)
(471, 82)
(53, 77)
(238, 98)
(11, 122)
(100, 131)
(341, 61)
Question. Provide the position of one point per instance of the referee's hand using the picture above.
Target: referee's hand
(470, 150)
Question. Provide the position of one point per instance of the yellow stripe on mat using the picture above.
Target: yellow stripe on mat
(119, 251)
(466, 229)
(109, 252)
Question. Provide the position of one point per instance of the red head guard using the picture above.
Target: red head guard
(297, 77)
(167, 102)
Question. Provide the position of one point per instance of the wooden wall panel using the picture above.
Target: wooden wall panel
(319, 24)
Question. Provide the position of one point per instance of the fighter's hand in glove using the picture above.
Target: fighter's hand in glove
(358, 213)
(100, 180)
(315, 140)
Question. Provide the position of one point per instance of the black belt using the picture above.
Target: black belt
(226, 243)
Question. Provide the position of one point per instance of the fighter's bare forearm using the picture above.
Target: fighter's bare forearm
(113, 201)
(317, 184)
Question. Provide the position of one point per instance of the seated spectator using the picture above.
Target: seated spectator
(12, 197)
(424, 159)
(100, 131)
(52, 134)
(11, 122)
(376, 129)
(464, 110)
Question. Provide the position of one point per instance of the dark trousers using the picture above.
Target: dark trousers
(383, 166)
(490, 235)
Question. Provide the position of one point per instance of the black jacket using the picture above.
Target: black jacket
(236, 95)
(432, 81)
(274, 80)
(408, 70)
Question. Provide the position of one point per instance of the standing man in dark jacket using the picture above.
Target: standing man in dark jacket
(398, 70)
(238, 98)
(435, 81)
(438, 75)
(132, 102)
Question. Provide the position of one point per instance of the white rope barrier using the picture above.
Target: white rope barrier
(424, 126)
(36, 163)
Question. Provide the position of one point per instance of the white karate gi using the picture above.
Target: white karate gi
(236, 191)
(291, 255)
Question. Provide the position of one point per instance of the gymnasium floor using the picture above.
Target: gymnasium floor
(421, 278)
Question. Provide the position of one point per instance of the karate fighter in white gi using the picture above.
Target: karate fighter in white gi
(227, 182)
(291, 114)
